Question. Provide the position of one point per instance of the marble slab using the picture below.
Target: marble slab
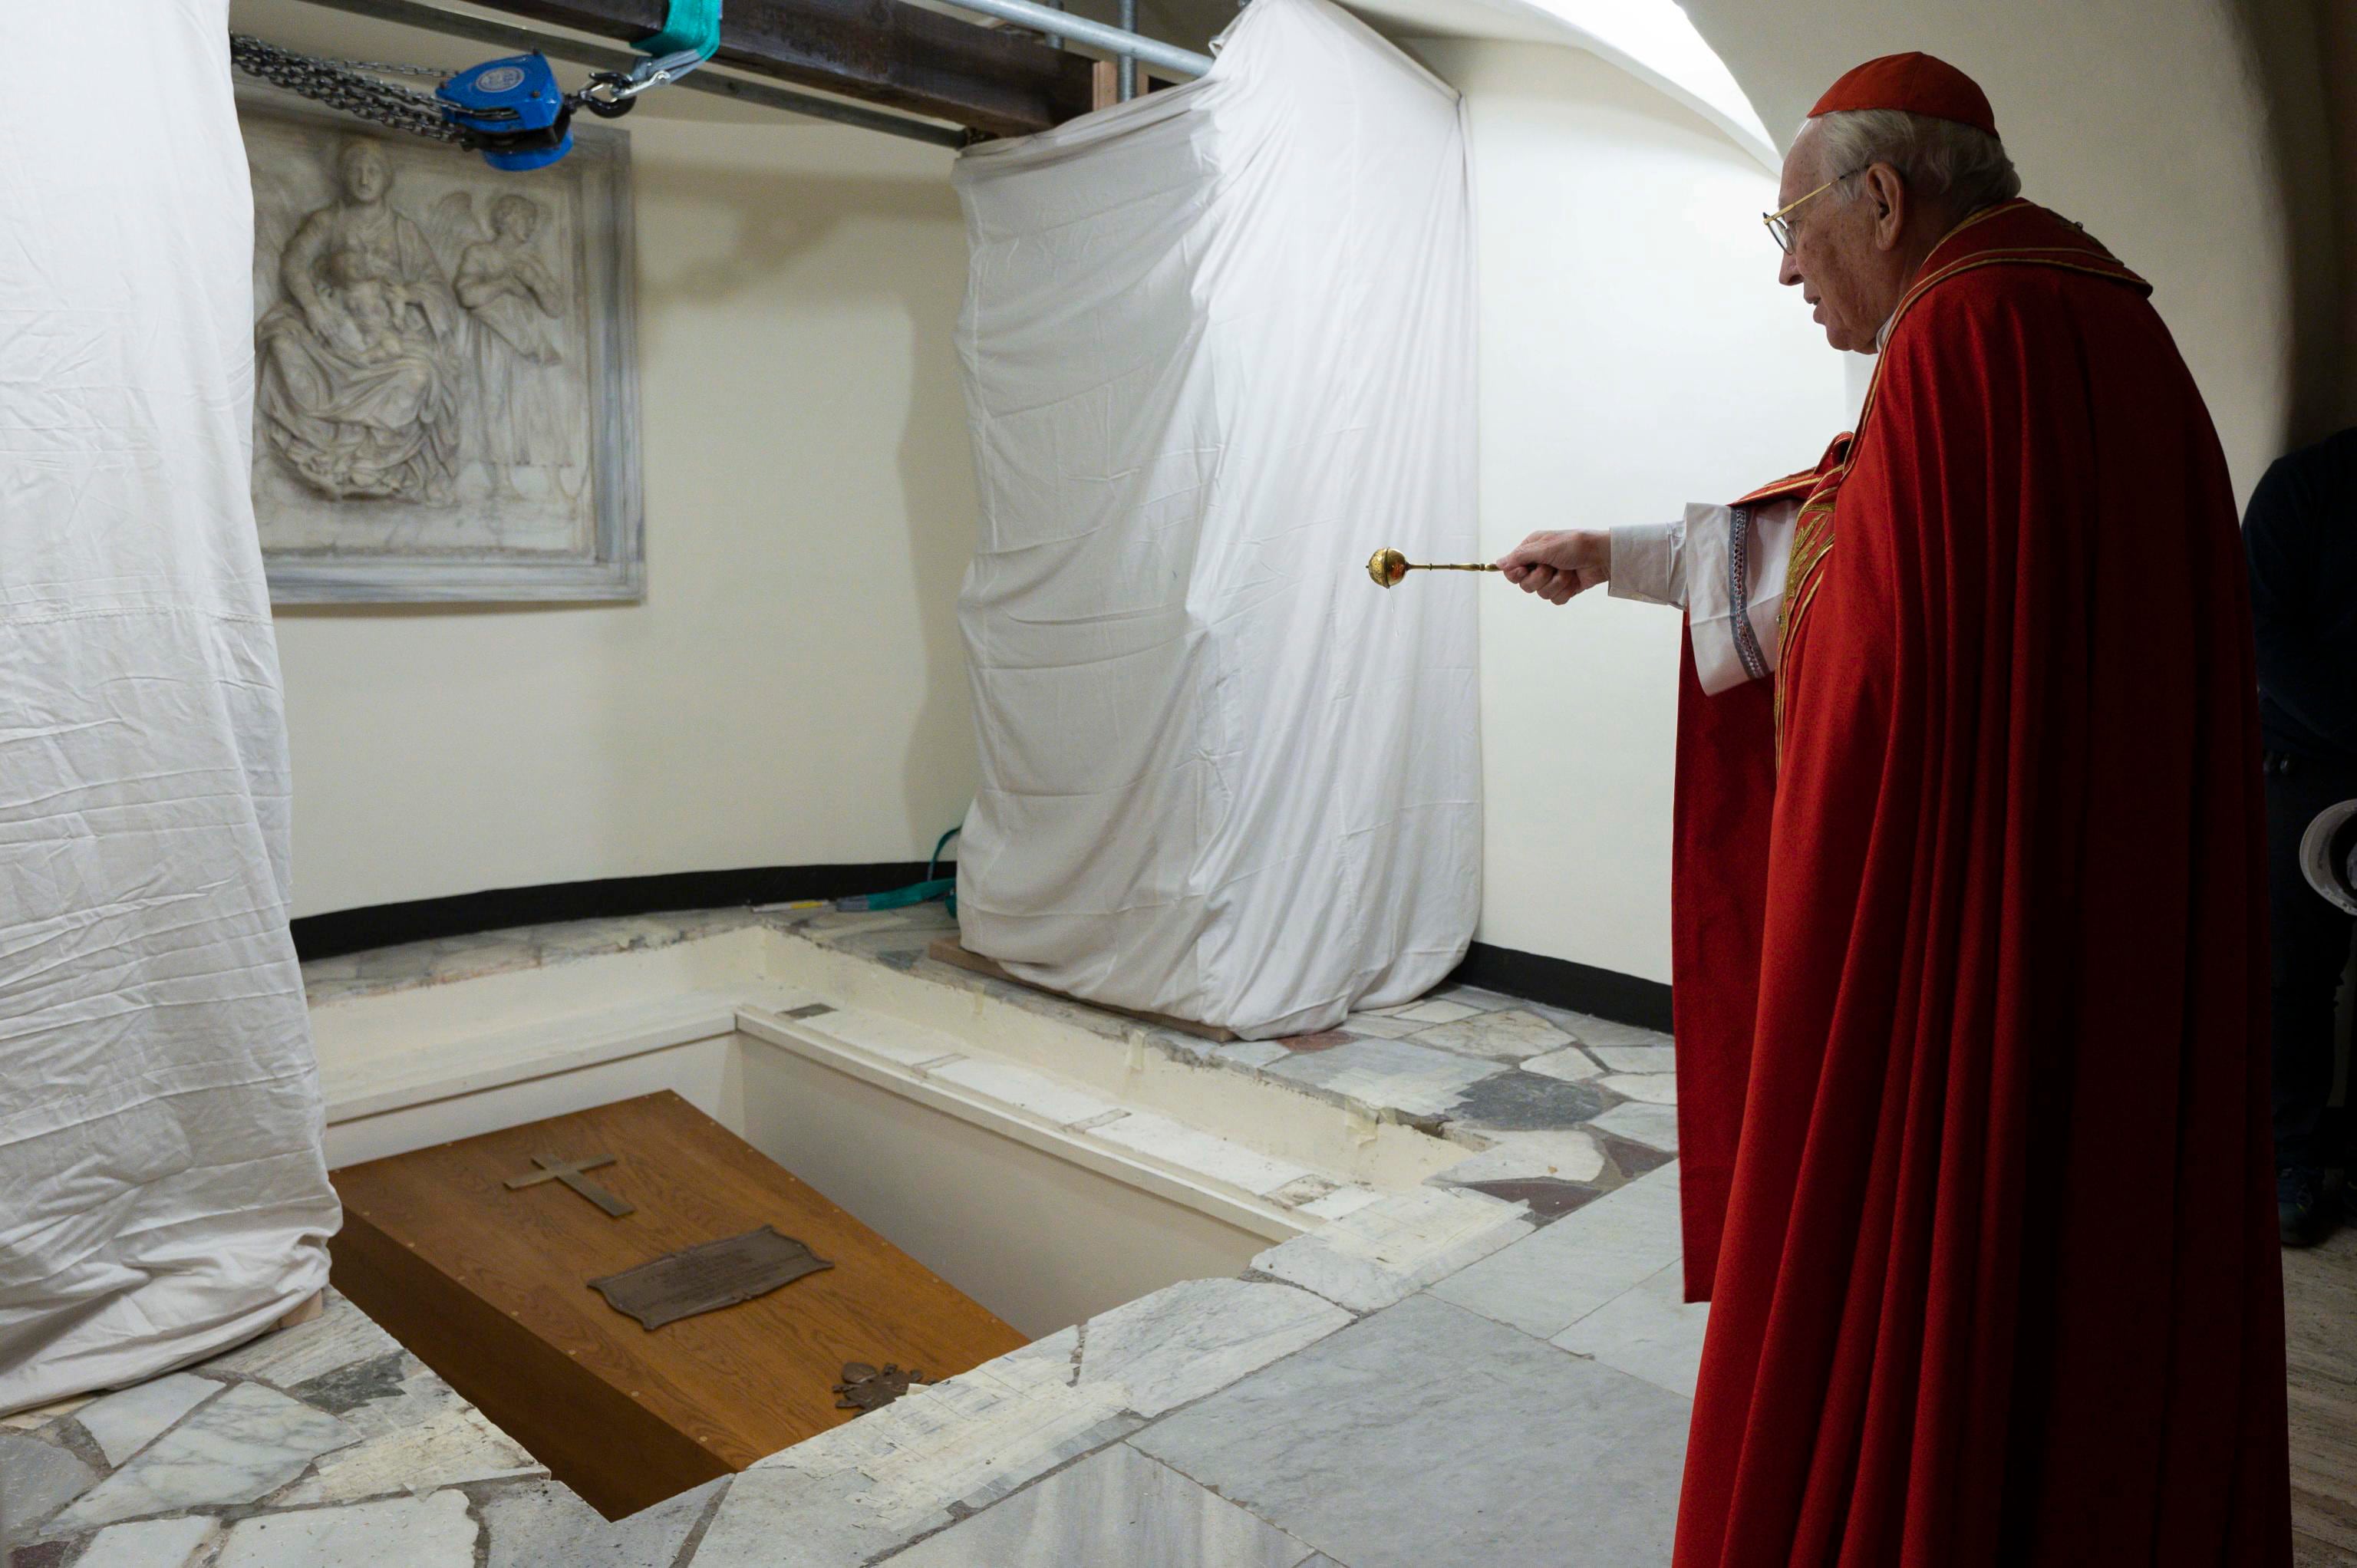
(42, 1414)
(893, 1039)
(1560, 1156)
(1572, 1066)
(1518, 1102)
(1547, 1282)
(1191, 1149)
(1387, 1074)
(454, 1447)
(1638, 1058)
(1648, 1088)
(1475, 996)
(1195, 1338)
(789, 1518)
(1052, 1101)
(1342, 1200)
(1649, 1332)
(966, 1440)
(150, 1543)
(1429, 1435)
(236, 1448)
(341, 1335)
(1116, 1507)
(1376, 1256)
(36, 1480)
(541, 1524)
(123, 1424)
(433, 1531)
(1509, 1036)
(1431, 1009)
(1655, 1127)
(1377, 1026)
(1591, 1030)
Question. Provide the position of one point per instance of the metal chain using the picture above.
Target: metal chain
(388, 68)
(341, 84)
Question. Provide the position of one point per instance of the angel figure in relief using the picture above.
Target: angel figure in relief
(513, 299)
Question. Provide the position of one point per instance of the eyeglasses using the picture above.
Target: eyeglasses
(1780, 227)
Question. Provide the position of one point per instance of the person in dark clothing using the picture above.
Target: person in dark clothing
(2300, 534)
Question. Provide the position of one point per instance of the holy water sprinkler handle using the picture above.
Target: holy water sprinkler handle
(1388, 567)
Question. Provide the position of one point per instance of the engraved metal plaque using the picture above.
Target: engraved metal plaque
(709, 1276)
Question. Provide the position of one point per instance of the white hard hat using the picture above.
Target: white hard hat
(2334, 877)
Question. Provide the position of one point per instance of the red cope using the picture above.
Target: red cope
(1973, 1087)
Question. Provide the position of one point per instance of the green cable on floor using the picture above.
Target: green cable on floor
(931, 887)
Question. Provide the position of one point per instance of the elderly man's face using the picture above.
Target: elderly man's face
(1833, 258)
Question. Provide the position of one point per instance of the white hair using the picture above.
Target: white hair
(1965, 167)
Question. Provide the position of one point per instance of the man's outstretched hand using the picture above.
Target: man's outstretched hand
(1556, 565)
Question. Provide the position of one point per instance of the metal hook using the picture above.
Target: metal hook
(611, 93)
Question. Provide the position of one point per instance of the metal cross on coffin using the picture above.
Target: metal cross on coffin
(569, 1173)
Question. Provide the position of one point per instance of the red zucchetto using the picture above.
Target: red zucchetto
(1917, 83)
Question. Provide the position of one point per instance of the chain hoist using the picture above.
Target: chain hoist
(512, 111)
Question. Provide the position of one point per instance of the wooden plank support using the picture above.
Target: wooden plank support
(884, 51)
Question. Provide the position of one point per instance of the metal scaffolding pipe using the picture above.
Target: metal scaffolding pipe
(1128, 63)
(1096, 35)
(459, 24)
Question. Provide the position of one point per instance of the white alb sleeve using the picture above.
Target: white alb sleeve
(1736, 561)
(1649, 563)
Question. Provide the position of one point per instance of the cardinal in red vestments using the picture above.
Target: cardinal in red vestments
(1969, 907)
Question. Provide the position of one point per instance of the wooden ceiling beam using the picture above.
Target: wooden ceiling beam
(884, 51)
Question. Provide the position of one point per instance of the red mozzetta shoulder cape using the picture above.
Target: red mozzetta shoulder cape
(1970, 960)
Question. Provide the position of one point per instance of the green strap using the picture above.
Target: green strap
(691, 25)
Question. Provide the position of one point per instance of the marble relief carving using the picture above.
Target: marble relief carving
(445, 404)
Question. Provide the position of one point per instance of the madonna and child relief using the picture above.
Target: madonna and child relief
(427, 387)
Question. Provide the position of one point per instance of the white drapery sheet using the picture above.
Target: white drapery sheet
(1217, 347)
(162, 1190)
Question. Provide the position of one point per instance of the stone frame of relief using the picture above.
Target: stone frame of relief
(452, 415)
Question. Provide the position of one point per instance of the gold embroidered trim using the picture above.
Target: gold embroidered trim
(1813, 537)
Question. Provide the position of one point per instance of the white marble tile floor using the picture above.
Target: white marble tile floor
(1655, 1127)
(1196, 1337)
(1428, 1434)
(1546, 1282)
(1644, 1088)
(1439, 1375)
(1571, 1156)
(1191, 1149)
(238, 1447)
(1572, 1066)
(123, 1424)
(1649, 1331)
(1387, 1251)
(153, 1544)
(1508, 1035)
(1114, 1506)
(1397, 1075)
(432, 1531)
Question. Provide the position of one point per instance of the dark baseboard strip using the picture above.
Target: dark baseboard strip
(1560, 982)
(1557, 981)
(464, 914)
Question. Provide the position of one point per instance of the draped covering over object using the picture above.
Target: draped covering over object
(1973, 1084)
(159, 1105)
(1217, 347)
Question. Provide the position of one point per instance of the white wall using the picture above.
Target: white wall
(1636, 354)
(791, 691)
(2172, 129)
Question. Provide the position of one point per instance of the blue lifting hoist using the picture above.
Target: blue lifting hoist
(512, 111)
(519, 118)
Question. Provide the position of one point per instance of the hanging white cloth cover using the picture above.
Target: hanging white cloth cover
(162, 1191)
(1217, 349)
